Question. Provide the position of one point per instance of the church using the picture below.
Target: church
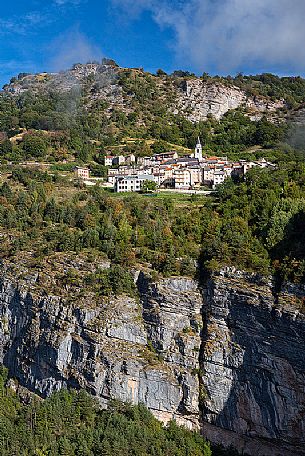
(198, 150)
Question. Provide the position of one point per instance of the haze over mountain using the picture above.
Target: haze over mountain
(228, 36)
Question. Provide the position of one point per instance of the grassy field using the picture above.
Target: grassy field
(179, 199)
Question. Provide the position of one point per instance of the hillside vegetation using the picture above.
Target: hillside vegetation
(76, 117)
(254, 224)
(78, 114)
(70, 423)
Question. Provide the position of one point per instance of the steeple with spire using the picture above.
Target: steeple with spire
(198, 150)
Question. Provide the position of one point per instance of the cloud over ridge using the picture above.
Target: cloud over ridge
(72, 47)
(231, 34)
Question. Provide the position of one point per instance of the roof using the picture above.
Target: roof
(165, 153)
(170, 162)
(138, 177)
(187, 159)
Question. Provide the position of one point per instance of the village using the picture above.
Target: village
(170, 171)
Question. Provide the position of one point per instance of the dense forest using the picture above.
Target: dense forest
(71, 423)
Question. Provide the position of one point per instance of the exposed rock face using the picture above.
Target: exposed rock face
(228, 358)
(253, 366)
(108, 349)
(198, 99)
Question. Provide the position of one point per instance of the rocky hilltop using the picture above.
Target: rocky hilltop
(191, 97)
(225, 355)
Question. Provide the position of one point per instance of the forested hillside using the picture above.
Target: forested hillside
(78, 116)
(254, 224)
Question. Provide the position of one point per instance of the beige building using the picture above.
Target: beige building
(195, 176)
(82, 173)
(166, 156)
(182, 178)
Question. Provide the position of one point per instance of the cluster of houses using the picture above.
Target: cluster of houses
(168, 170)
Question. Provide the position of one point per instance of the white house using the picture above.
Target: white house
(208, 174)
(132, 183)
(108, 160)
(219, 177)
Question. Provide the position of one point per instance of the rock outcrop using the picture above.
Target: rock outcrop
(121, 348)
(253, 366)
(226, 357)
(197, 100)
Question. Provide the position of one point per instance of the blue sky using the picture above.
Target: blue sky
(217, 36)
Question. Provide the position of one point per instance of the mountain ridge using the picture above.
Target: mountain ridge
(204, 97)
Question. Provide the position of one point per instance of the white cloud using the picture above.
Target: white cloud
(22, 25)
(72, 47)
(231, 34)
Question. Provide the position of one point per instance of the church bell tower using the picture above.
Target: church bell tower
(198, 150)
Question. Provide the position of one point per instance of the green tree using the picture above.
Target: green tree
(149, 186)
(35, 145)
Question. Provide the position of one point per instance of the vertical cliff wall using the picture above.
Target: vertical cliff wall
(125, 348)
(253, 366)
(226, 356)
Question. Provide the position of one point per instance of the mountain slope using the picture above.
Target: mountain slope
(190, 96)
(95, 106)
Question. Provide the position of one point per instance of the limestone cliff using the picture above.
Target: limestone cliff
(120, 348)
(197, 99)
(252, 365)
(226, 356)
